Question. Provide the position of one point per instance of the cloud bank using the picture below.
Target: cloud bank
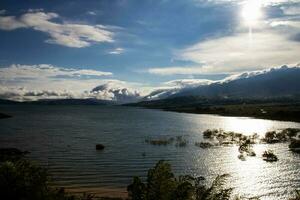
(64, 33)
(34, 82)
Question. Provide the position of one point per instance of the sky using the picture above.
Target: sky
(67, 48)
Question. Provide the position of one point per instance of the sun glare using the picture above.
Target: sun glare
(251, 11)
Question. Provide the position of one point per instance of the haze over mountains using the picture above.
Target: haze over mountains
(280, 82)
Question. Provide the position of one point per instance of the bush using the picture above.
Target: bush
(21, 179)
(295, 145)
(269, 156)
(297, 195)
(163, 185)
(203, 145)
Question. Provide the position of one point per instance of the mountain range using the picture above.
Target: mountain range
(266, 84)
(269, 84)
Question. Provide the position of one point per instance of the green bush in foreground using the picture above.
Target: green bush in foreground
(163, 185)
(24, 180)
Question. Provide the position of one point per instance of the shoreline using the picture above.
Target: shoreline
(278, 112)
(233, 115)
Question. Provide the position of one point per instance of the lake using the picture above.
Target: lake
(63, 139)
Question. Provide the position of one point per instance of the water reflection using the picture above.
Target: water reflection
(63, 138)
(246, 125)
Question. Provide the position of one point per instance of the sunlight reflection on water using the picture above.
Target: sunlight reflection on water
(63, 138)
(246, 125)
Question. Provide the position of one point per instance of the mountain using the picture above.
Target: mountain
(269, 94)
(275, 83)
(267, 84)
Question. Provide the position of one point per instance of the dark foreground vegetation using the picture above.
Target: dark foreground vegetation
(163, 184)
(276, 109)
(22, 179)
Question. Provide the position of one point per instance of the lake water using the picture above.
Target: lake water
(63, 138)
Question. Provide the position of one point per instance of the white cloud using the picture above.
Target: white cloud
(273, 41)
(176, 70)
(10, 23)
(66, 34)
(288, 23)
(181, 83)
(91, 13)
(117, 51)
(172, 87)
(264, 2)
(48, 77)
(291, 10)
(242, 52)
(271, 45)
(106, 89)
(42, 71)
(116, 91)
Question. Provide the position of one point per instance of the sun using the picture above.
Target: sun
(251, 11)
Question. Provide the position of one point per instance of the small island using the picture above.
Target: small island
(2, 116)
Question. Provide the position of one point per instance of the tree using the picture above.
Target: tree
(163, 185)
(161, 182)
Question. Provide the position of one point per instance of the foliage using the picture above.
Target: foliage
(295, 145)
(280, 136)
(203, 145)
(163, 185)
(137, 190)
(269, 156)
(21, 179)
(297, 195)
(228, 138)
(11, 154)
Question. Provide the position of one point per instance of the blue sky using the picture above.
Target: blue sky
(143, 44)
